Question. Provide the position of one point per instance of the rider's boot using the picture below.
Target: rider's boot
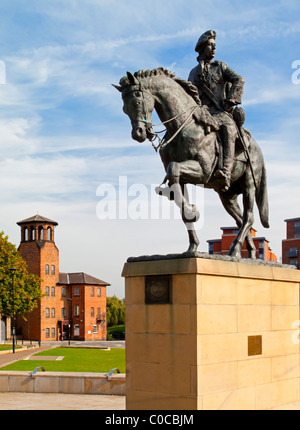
(224, 174)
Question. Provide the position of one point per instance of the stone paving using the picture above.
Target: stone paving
(37, 401)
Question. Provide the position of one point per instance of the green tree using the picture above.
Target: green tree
(115, 311)
(27, 287)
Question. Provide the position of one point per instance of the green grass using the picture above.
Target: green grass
(6, 347)
(75, 360)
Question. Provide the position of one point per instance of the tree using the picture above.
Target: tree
(115, 311)
(27, 287)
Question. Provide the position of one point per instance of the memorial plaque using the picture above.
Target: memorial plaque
(158, 289)
(254, 345)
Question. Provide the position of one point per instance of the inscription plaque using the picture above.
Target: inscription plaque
(158, 289)
(254, 345)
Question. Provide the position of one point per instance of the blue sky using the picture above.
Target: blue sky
(63, 132)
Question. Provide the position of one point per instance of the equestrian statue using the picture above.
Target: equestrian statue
(205, 141)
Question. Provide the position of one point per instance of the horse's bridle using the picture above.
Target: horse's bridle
(149, 126)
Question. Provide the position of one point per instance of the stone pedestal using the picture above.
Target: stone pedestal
(211, 334)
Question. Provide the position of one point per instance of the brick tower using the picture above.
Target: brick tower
(38, 249)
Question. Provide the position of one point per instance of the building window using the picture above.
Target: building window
(293, 252)
(47, 311)
(52, 269)
(76, 330)
(52, 312)
(52, 291)
(47, 269)
(49, 233)
(53, 332)
(99, 292)
(63, 312)
(211, 248)
(26, 234)
(297, 235)
(296, 227)
(47, 291)
(95, 329)
(76, 310)
(41, 233)
(294, 262)
(47, 332)
(76, 291)
(92, 312)
(63, 291)
(92, 291)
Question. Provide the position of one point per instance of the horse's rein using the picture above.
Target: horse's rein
(144, 120)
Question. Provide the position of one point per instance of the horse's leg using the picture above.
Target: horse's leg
(179, 174)
(230, 203)
(248, 218)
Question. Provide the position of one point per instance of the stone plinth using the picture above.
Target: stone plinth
(224, 337)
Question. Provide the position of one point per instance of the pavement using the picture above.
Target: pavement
(49, 401)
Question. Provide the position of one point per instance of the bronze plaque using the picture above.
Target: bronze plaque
(254, 345)
(158, 289)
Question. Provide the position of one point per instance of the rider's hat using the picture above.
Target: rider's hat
(210, 34)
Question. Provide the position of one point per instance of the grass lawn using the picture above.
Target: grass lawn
(6, 347)
(75, 360)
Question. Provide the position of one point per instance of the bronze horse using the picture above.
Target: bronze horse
(190, 151)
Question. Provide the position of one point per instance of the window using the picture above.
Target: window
(99, 292)
(63, 291)
(297, 235)
(53, 332)
(76, 310)
(26, 234)
(52, 291)
(63, 312)
(52, 269)
(261, 244)
(294, 262)
(92, 312)
(95, 329)
(41, 233)
(92, 291)
(47, 311)
(76, 291)
(47, 291)
(47, 269)
(47, 332)
(76, 330)
(52, 312)
(293, 252)
(49, 233)
(296, 227)
(211, 248)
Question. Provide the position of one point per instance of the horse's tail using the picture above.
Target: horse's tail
(261, 197)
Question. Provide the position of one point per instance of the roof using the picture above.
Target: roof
(292, 219)
(37, 218)
(80, 278)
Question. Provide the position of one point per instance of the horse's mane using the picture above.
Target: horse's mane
(161, 71)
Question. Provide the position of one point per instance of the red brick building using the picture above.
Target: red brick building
(291, 244)
(222, 246)
(73, 305)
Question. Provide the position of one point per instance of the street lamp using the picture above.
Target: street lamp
(13, 271)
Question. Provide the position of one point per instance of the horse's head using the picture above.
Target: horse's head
(138, 105)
